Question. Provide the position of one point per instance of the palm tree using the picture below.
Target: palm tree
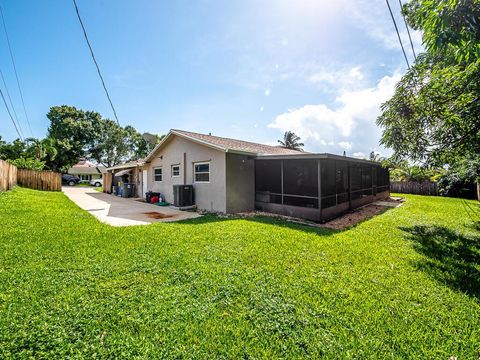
(291, 141)
(40, 149)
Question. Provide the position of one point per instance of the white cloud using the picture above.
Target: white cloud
(356, 73)
(352, 122)
(324, 143)
(359, 155)
(311, 121)
(339, 78)
(345, 145)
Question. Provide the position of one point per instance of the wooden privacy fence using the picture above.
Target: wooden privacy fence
(8, 175)
(38, 180)
(107, 183)
(414, 187)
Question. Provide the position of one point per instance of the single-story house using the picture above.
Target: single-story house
(222, 170)
(87, 171)
(231, 176)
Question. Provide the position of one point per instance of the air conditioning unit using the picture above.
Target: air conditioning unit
(183, 195)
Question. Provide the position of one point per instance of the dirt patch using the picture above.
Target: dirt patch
(363, 213)
(354, 217)
(157, 215)
(340, 223)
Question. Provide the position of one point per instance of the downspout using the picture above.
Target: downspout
(184, 168)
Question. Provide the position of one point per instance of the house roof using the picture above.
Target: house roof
(84, 167)
(225, 144)
(130, 164)
(319, 156)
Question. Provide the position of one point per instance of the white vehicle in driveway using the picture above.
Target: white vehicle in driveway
(96, 182)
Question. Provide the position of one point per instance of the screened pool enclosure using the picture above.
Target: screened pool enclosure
(317, 186)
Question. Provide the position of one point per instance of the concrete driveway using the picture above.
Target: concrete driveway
(117, 211)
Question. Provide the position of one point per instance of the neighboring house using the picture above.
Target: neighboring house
(233, 176)
(87, 171)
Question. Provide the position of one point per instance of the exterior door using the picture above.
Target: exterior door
(144, 182)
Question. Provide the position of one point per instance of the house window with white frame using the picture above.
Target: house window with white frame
(175, 170)
(157, 174)
(202, 172)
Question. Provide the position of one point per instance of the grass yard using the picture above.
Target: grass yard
(405, 284)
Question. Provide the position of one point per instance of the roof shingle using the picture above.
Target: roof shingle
(239, 145)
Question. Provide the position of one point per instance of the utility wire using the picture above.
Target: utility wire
(15, 70)
(10, 100)
(408, 30)
(398, 33)
(10, 114)
(95, 61)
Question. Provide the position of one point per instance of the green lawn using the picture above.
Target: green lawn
(405, 284)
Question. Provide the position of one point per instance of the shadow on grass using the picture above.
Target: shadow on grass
(211, 218)
(452, 258)
(351, 219)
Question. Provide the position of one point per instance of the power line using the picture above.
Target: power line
(10, 100)
(95, 61)
(408, 30)
(15, 70)
(10, 114)
(398, 33)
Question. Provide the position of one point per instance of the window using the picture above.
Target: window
(202, 172)
(157, 174)
(175, 170)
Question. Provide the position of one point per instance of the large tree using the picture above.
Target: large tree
(140, 145)
(434, 114)
(85, 134)
(115, 144)
(13, 150)
(110, 146)
(75, 134)
(72, 131)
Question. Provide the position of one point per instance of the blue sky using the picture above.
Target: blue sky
(248, 69)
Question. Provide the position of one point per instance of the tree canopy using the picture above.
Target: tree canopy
(75, 134)
(434, 114)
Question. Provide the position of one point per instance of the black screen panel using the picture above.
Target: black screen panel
(300, 177)
(268, 176)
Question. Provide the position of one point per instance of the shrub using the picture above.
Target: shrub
(29, 163)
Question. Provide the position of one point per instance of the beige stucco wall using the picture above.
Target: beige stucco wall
(208, 196)
(240, 183)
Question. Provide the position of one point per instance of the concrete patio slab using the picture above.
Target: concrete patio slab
(118, 211)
